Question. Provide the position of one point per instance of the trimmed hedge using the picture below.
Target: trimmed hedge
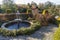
(57, 34)
(22, 31)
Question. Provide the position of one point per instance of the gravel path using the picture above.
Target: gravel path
(44, 33)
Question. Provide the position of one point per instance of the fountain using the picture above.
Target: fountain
(16, 24)
(17, 16)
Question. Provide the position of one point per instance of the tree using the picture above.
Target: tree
(48, 4)
(41, 5)
(9, 4)
(1, 9)
(29, 6)
(34, 4)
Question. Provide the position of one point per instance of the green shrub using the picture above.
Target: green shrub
(21, 31)
(6, 32)
(29, 30)
(36, 25)
(8, 11)
(1, 22)
(30, 18)
(57, 22)
(1, 30)
(57, 34)
(14, 33)
(24, 16)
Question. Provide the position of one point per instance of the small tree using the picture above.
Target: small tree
(48, 4)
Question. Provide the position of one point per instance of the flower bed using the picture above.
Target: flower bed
(22, 31)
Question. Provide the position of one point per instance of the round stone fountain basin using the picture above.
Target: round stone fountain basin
(14, 24)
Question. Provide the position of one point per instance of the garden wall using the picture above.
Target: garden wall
(12, 16)
(6, 17)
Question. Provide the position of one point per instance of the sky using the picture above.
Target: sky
(36, 1)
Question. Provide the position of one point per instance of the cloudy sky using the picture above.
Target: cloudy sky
(37, 1)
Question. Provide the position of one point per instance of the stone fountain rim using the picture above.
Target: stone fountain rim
(3, 25)
(23, 31)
